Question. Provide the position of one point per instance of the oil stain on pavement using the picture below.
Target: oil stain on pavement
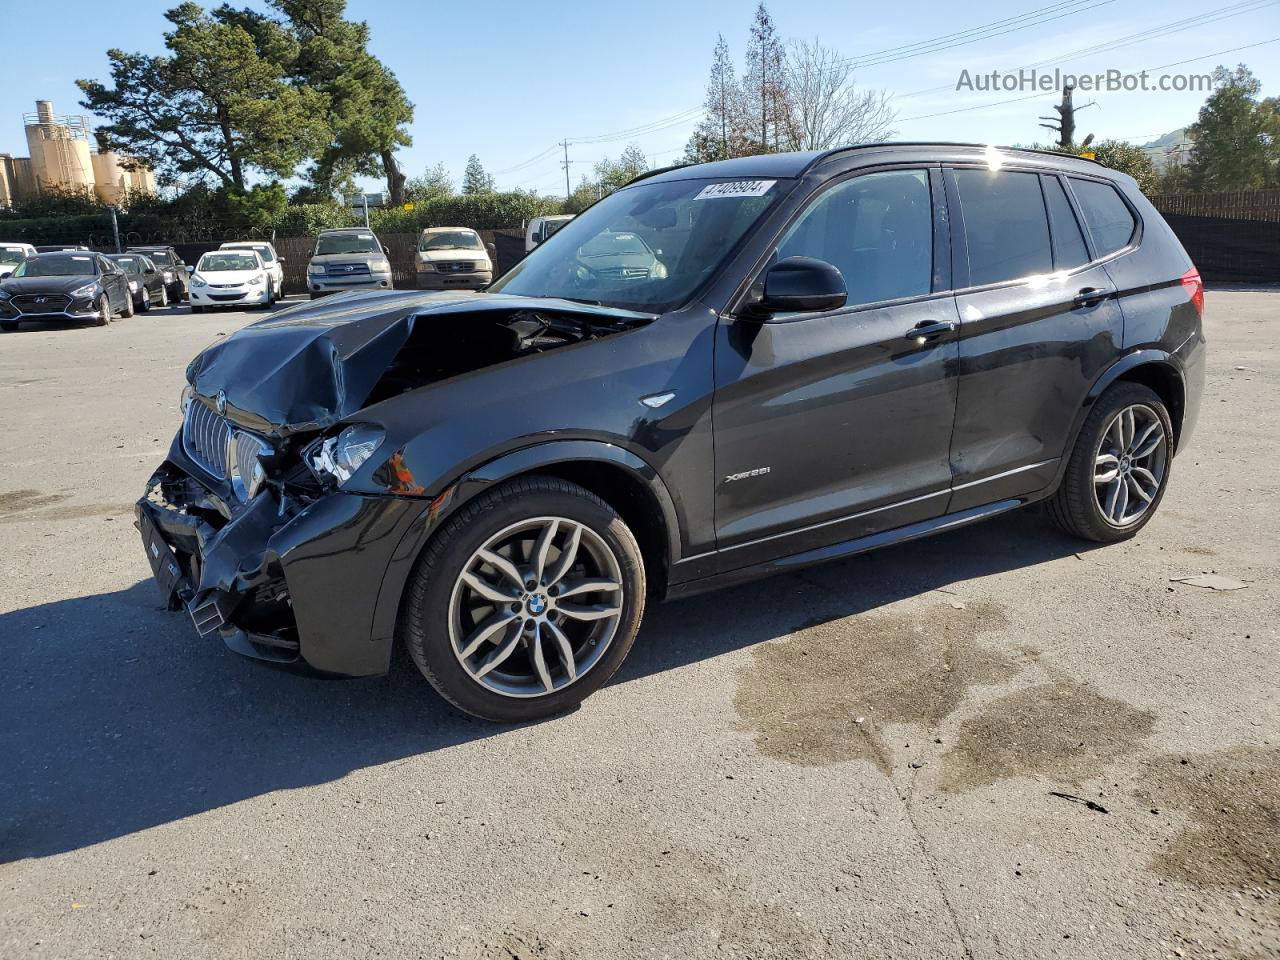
(824, 694)
(17, 505)
(1064, 728)
(1232, 798)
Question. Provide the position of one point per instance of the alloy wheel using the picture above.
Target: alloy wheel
(535, 607)
(1130, 464)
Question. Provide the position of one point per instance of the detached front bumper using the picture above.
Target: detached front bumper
(298, 586)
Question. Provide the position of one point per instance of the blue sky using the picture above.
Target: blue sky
(507, 80)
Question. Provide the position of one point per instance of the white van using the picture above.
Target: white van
(12, 254)
(542, 227)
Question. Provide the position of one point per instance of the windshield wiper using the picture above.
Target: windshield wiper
(588, 302)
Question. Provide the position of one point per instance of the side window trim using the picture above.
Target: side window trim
(939, 271)
(1054, 226)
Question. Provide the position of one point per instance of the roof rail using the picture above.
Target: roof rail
(836, 151)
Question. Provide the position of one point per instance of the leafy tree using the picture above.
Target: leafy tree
(1118, 155)
(584, 195)
(765, 85)
(1130, 159)
(214, 106)
(474, 178)
(434, 183)
(1237, 137)
(56, 200)
(368, 110)
(611, 176)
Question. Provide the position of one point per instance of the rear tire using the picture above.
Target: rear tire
(539, 659)
(1119, 467)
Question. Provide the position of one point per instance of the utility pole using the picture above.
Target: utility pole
(565, 164)
(365, 196)
(115, 227)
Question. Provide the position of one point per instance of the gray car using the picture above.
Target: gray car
(348, 259)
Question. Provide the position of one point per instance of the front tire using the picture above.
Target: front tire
(104, 311)
(1119, 468)
(127, 310)
(145, 305)
(526, 601)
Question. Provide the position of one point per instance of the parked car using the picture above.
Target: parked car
(618, 255)
(274, 262)
(451, 257)
(847, 349)
(351, 258)
(541, 228)
(230, 278)
(171, 267)
(146, 281)
(12, 254)
(64, 286)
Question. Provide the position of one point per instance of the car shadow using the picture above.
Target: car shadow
(116, 717)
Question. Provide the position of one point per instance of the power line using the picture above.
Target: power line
(1167, 29)
(999, 103)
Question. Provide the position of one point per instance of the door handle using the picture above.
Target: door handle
(1091, 296)
(929, 330)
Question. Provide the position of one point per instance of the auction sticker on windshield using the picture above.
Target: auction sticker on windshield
(736, 188)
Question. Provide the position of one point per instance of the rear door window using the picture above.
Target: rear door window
(877, 229)
(1006, 229)
(1110, 221)
(1069, 250)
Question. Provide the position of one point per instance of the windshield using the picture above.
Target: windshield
(130, 264)
(263, 251)
(223, 261)
(347, 243)
(56, 266)
(460, 240)
(12, 255)
(159, 257)
(647, 247)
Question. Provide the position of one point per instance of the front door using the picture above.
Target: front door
(836, 425)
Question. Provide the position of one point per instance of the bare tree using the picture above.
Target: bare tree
(826, 107)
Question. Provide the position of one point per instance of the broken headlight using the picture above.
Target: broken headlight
(341, 456)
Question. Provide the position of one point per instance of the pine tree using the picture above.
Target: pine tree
(719, 135)
(765, 85)
(474, 178)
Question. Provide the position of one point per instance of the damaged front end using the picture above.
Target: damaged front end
(250, 526)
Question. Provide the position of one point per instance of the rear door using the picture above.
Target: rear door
(1038, 323)
(836, 425)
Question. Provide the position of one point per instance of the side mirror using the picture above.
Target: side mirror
(5, 276)
(491, 249)
(800, 285)
(386, 250)
(191, 268)
(279, 259)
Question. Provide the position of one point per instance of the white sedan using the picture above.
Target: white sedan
(230, 278)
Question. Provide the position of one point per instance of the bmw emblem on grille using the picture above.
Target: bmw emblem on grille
(220, 401)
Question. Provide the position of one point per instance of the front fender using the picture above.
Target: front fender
(487, 475)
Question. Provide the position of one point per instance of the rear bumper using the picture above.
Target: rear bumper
(297, 586)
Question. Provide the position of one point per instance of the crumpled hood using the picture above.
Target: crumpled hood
(312, 365)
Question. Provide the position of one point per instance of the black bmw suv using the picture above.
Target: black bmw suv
(830, 352)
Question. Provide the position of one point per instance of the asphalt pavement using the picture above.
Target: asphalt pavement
(1000, 742)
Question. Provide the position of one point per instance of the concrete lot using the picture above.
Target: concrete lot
(864, 760)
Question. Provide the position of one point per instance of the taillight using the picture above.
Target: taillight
(1194, 286)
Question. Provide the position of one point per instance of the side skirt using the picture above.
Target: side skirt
(847, 548)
